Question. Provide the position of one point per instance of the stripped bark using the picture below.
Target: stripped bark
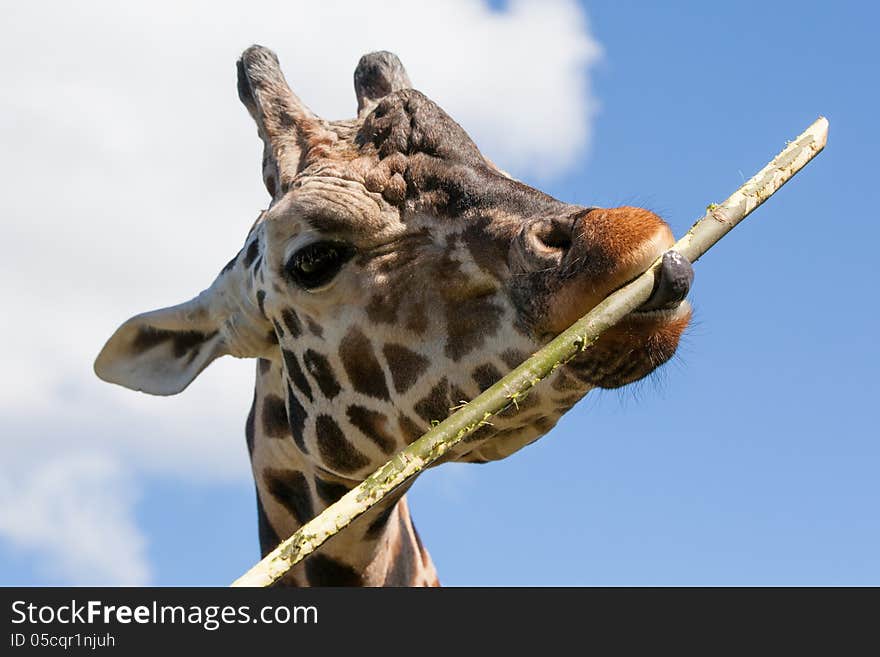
(406, 464)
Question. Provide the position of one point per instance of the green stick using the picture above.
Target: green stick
(406, 464)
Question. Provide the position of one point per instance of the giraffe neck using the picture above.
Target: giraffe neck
(381, 548)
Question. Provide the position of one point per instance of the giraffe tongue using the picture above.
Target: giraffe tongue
(673, 282)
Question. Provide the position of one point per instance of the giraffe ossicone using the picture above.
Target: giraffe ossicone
(395, 275)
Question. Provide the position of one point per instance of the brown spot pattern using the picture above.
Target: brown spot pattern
(405, 365)
(297, 417)
(486, 375)
(294, 371)
(417, 321)
(563, 382)
(435, 406)
(488, 252)
(335, 449)
(380, 522)
(361, 365)
(314, 328)
(512, 357)
(319, 367)
(253, 250)
(410, 430)
(326, 571)
(457, 396)
(373, 425)
(274, 415)
(269, 538)
(291, 490)
(469, 323)
(329, 491)
(382, 310)
(291, 321)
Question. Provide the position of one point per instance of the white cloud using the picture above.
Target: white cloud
(131, 174)
(75, 514)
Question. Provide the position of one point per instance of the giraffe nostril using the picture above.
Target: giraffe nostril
(550, 237)
(552, 234)
(542, 244)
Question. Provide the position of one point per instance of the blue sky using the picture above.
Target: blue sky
(751, 459)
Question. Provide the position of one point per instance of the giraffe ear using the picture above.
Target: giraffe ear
(287, 127)
(162, 351)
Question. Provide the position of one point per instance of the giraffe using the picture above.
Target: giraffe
(395, 274)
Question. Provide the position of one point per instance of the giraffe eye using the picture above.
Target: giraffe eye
(316, 264)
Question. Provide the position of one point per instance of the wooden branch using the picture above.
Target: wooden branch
(406, 464)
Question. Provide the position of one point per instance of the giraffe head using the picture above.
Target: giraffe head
(397, 273)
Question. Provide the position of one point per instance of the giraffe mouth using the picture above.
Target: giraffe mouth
(647, 337)
(672, 282)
